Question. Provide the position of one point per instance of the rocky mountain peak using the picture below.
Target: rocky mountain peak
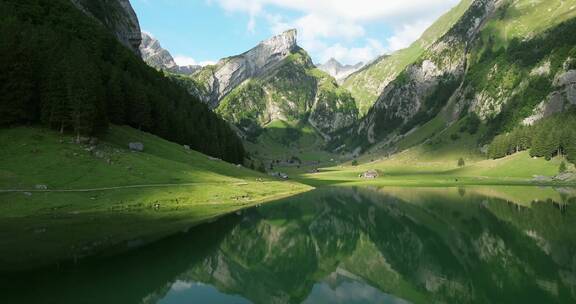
(285, 42)
(154, 54)
(159, 58)
(333, 62)
(338, 70)
(230, 72)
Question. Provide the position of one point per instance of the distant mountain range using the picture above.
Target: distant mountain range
(503, 63)
(338, 70)
(274, 81)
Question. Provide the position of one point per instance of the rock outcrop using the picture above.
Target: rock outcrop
(423, 88)
(339, 71)
(116, 15)
(562, 98)
(159, 58)
(220, 79)
(367, 84)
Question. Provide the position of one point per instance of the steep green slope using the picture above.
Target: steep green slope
(68, 72)
(100, 196)
(367, 84)
(517, 65)
(495, 64)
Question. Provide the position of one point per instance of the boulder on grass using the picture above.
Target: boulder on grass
(136, 146)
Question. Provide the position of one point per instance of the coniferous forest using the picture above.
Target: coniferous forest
(554, 136)
(61, 69)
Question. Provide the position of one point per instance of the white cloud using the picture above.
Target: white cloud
(182, 60)
(181, 286)
(343, 21)
(369, 51)
(406, 34)
(348, 9)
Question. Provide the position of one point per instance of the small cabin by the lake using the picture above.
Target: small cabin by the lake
(370, 174)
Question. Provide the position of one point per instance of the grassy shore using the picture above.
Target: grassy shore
(62, 201)
(104, 196)
(408, 169)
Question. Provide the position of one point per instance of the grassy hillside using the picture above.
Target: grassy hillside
(284, 141)
(367, 84)
(515, 70)
(105, 196)
(522, 19)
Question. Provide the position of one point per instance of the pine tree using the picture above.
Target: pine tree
(84, 93)
(461, 162)
(562, 168)
(55, 109)
(115, 97)
(570, 144)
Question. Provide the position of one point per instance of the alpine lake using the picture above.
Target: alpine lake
(504, 244)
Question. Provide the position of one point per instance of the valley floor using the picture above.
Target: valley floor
(409, 169)
(60, 200)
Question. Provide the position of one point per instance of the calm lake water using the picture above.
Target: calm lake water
(356, 245)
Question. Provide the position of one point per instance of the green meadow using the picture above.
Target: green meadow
(63, 201)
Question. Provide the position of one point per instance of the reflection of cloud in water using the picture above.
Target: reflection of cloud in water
(349, 293)
(180, 285)
(195, 292)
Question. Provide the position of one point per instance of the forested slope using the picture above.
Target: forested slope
(67, 72)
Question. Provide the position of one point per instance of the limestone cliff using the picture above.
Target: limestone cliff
(218, 80)
(495, 63)
(423, 88)
(159, 58)
(116, 15)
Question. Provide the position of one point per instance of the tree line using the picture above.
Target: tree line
(550, 137)
(64, 70)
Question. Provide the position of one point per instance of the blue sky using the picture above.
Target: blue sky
(202, 31)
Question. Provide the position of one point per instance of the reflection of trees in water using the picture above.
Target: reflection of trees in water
(421, 246)
(443, 249)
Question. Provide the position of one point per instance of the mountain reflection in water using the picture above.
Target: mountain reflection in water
(346, 245)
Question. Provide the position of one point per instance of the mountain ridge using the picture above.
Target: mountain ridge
(216, 81)
(159, 58)
(339, 71)
(449, 83)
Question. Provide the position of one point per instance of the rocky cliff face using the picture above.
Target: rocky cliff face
(367, 84)
(338, 70)
(494, 63)
(116, 15)
(154, 55)
(423, 88)
(276, 80)
(219, 80)
(159, 58)
(293, 91)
